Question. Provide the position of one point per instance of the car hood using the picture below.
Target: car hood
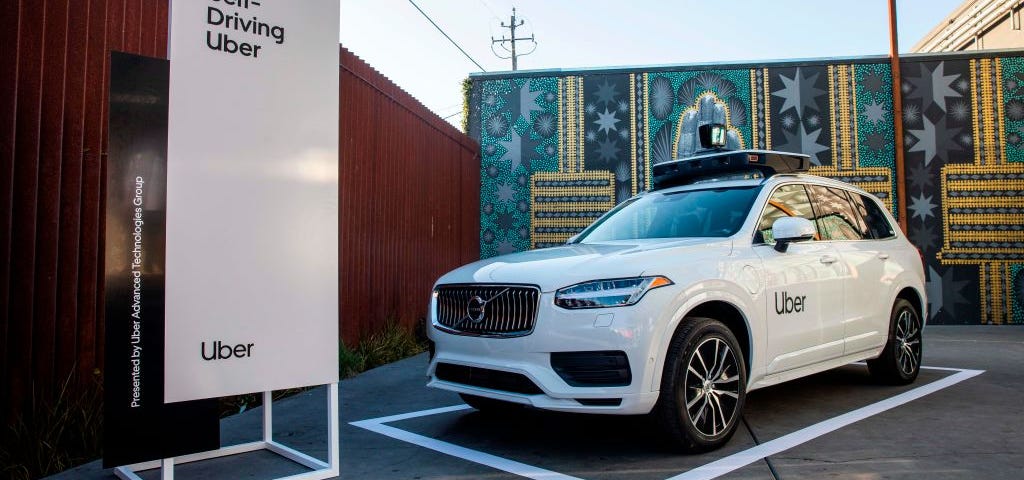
(557, 267)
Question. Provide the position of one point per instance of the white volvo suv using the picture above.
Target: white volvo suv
(735, 272)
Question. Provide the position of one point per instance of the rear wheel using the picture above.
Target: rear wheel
(703, 386)
(900, 361)
(490, 405)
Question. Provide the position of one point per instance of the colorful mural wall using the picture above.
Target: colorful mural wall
(558, 149)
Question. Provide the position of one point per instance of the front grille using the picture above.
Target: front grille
(488, 310)
(486, 378)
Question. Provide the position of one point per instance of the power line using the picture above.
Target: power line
(488, 7)
(446, 35)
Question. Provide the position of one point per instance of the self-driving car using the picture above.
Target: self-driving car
(735, 271)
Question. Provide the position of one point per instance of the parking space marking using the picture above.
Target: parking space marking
(746, 457)
(493, 461)
(707, 471)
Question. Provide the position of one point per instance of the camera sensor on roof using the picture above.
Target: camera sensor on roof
(712, 135)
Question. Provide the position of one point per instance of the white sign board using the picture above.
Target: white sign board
(252, 197)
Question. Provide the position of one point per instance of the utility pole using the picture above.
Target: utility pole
(897, 113)
(512, 25)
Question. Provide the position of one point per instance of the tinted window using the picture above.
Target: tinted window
(786, 201)
(859, 213)
(715, 212)
(878, 224)
(836, 217)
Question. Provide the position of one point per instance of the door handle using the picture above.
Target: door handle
(828, 259)
(883, 256)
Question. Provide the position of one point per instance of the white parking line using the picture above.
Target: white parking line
(704, 472)
(746, 457)
(494, 461)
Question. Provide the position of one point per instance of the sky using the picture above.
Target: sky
(396, 39)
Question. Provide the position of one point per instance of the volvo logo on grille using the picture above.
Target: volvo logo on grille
(475, 309)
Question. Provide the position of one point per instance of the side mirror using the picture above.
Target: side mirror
(787, 230)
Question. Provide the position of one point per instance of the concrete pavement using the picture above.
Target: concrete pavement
(972, 429)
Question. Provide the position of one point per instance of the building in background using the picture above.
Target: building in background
(976, 25)
(559, 148)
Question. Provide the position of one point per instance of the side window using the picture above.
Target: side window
(878, 224)
(860, 213)
(786, 201)
(836, 217)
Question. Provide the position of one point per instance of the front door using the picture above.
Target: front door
(803, 289)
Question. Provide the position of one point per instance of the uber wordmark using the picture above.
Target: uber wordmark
(223, 41)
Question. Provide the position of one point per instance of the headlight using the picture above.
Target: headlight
(616, 292)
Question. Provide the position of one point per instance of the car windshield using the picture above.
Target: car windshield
(713, 212)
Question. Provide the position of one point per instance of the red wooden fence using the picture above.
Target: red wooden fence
(409, 188)
(410, 200)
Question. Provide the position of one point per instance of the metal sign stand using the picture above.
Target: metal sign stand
(320, 470)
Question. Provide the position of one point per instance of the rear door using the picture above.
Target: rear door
(842, 221)
(875, 260)
(803, 289)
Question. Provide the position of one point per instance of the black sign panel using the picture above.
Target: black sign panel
(139, 426)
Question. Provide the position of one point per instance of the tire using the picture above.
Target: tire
(900, 361)
(489, 405)
(697, 411)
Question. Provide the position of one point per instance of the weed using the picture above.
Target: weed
(61, 429)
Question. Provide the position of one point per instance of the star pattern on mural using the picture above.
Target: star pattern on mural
(505, 221)
(935, 140)
(944, 292)
(872, 82)
(528, 101)
(506, 193)
(920, 178)
(804, 142)
(924, 237)
(605, 93)
(513, 150)
(933, 86)
(505, 247)
(876, 141)
(798, 92)
(875, 112)
(608, 149)
(606, 121)
(922, 206)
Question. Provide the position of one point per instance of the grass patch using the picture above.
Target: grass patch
(60, 430)
(392, 343)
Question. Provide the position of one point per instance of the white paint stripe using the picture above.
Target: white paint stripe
(785, 442)
(950, 369)
(924, 367)
(464, 453)
(406, 416)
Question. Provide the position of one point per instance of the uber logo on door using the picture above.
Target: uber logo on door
(788, 304)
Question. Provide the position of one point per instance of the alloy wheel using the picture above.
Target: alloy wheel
(711, 387)
(908, 342)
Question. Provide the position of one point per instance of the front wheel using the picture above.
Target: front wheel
(703, 386)
(900, 361)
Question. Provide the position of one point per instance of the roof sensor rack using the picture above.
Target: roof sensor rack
(727, 165)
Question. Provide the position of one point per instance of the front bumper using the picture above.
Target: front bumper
(631, 330)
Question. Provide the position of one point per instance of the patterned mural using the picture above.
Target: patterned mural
(558, 150)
